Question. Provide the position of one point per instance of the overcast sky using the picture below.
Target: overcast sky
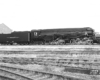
(43, 14)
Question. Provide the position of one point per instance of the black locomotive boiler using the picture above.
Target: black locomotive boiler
(50, 36)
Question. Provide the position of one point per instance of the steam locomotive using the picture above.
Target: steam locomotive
(51, 37)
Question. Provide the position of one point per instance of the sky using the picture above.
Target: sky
(20, 15)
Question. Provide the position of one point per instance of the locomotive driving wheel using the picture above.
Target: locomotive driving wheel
(58, 42)
(74, 41)
(94, 72)
(84, 41)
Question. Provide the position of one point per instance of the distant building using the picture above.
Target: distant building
(4, 29)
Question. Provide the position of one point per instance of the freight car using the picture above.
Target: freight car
(50, 36)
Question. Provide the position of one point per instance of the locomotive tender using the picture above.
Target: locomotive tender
(50, 36)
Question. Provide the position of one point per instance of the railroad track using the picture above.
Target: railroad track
(24, 74)
(58, 63)
(5, 78)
